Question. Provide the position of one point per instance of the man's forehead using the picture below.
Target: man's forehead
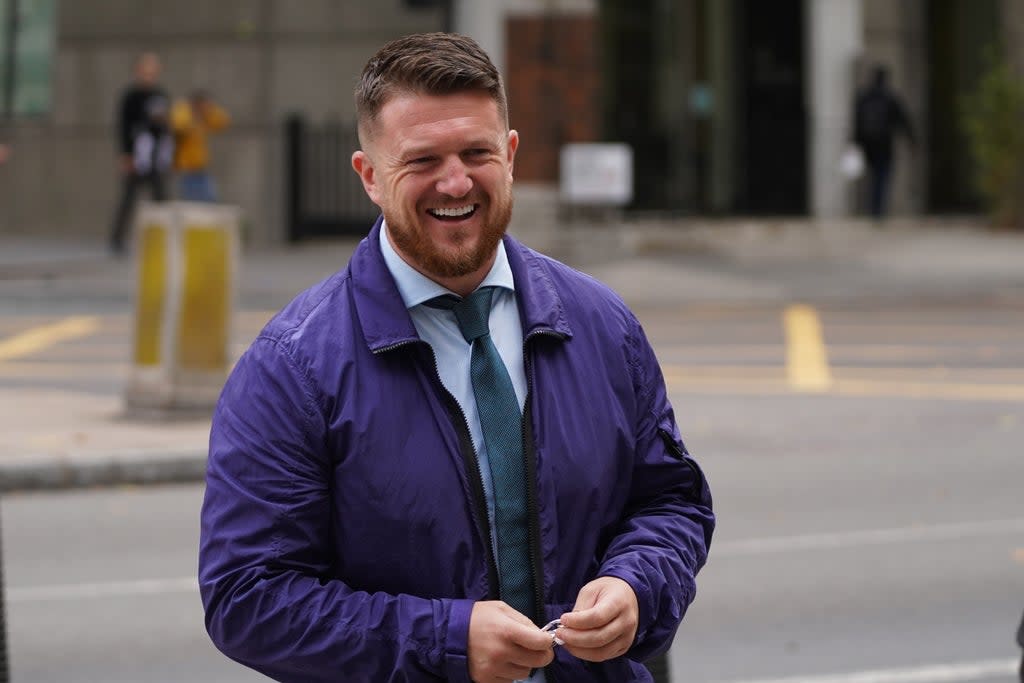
(469, 114)
(410, 101)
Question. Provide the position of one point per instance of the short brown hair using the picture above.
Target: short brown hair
(426, 63)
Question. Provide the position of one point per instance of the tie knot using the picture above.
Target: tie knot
(472, 312)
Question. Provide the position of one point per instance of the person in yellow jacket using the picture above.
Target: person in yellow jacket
(192, 120)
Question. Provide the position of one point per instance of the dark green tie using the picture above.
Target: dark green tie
(502, 424)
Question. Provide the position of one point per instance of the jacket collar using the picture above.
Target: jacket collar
(386, 323)
(540, 305)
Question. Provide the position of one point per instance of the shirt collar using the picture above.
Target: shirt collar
(415, 287)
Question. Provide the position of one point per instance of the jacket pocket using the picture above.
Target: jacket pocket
(675, 446)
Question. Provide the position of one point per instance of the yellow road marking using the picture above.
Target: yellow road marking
(922, 351)
(840, 372)
(42, 337)
(957, 391)
(63, 370)
(754, 385)
(806, 359)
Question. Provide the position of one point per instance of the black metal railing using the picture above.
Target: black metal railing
(323, 195)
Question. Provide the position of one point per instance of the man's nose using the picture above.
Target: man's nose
(454, 180)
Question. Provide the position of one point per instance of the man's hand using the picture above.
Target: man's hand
(125, 164)
(603, 622)
(504, 645)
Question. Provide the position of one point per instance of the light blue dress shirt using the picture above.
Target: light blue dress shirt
(439, 328)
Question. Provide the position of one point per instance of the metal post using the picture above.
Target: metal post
(4, 669)
(7, 94)
(294, 128)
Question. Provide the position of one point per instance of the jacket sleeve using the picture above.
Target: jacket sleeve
(665, 535)
(265, 557)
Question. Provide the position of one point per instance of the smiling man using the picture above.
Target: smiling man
(455, 459)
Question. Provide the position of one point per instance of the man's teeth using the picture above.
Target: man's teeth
(453, 213)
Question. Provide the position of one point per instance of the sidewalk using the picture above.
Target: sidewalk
(653, 264)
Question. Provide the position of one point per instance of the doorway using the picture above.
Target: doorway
(710, 95)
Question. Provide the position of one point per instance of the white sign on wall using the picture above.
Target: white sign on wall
(597, 173)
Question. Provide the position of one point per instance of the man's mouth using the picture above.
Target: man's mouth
(456, 213)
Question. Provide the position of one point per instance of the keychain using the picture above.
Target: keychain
(551, 627)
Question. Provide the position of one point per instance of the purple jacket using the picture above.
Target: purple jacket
(344, 533)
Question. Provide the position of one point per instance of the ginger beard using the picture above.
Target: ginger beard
(458, 255)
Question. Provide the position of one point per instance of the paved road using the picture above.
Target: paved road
(865, 460)
(100, 588)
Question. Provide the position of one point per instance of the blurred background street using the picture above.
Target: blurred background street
(866, 469)
(842, 336)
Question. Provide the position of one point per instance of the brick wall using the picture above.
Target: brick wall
(552, 78)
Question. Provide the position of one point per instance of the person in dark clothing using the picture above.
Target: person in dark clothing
(1020, 641)
(879, 115)
(145, 145)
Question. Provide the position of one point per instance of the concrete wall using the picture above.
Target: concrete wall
(261, 58)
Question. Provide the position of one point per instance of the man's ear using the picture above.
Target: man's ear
(513, 145)
(364, 168)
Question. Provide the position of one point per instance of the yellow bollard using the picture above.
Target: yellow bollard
(187, 270)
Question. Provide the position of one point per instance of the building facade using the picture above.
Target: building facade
(262, 59)
(730, 106)
(744, 107)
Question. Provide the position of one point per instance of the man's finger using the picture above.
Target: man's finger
(616, 648)
(592, 617)
(530, 638)
(594, 637)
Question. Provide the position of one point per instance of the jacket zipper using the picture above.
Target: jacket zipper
(530, 457)
(468, 452)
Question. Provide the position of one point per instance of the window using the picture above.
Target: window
(27, 30)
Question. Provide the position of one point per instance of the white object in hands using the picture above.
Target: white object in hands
(551, 627)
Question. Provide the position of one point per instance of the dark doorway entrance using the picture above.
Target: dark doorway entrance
(772, 120)
(710, 94)
(647, 61)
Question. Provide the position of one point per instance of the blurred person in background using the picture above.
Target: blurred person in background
(144, 142)
(1020, 643)
(451, 442)
(879, 116)
(192, 121)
